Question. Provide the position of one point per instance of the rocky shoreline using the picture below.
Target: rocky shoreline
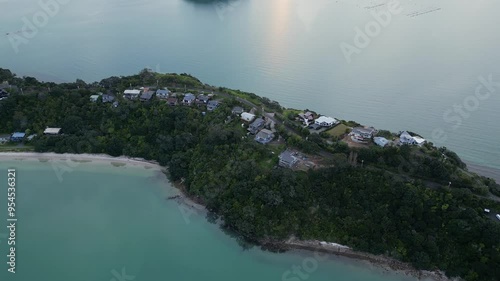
(382, 262)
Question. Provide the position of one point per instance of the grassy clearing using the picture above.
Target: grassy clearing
(245, 96)
(337, 131)
(289, 111)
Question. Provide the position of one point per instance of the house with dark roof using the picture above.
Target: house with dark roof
(3, 94)
(172, 101)
(188, 99)
(256, 125)
(237, 110)
(287, 159)
(212, 105)
(315, 126)
(107, 98)
(147, 96)
(365, 133)
(307, 117)
(203, 98)
(264, 136)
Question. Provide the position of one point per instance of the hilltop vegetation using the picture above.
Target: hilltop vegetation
(398, 203)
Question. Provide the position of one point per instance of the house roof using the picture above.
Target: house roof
(162, 92)
(132, 92)
(258, 122)
(172, 100)
(237, 109)
(147, 95)
(247, 116)
(307, 115)
(52, 131)
(107, 98)
(287, 156)
(203, 97)
(213, 103)
(381, 141)
(189, 97)
(419, 140)
(406, 135)
(18, 135)
(314, 126)
(363, 130)
(325, 119)
(264, 133)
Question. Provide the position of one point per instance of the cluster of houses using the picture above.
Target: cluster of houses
(365, 134)
(172, 99)
(256, 125)
(106, 98)
(21, 136)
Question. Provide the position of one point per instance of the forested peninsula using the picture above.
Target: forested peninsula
(410, 201)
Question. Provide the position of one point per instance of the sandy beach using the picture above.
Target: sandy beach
(103, 158)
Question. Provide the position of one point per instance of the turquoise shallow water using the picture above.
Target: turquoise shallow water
(98, 222)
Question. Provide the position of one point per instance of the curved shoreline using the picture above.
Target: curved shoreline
(184, 199)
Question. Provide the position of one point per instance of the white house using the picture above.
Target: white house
(380, 141)
(52, 131)
(131, 94)
(93, 98)
(406, 138)
(326, 121)
(419, 141)
(248, 117)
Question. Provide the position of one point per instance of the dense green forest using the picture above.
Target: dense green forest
(399, 203)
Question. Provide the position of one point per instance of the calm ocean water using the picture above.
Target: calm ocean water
(103, 223)
(415, 69)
